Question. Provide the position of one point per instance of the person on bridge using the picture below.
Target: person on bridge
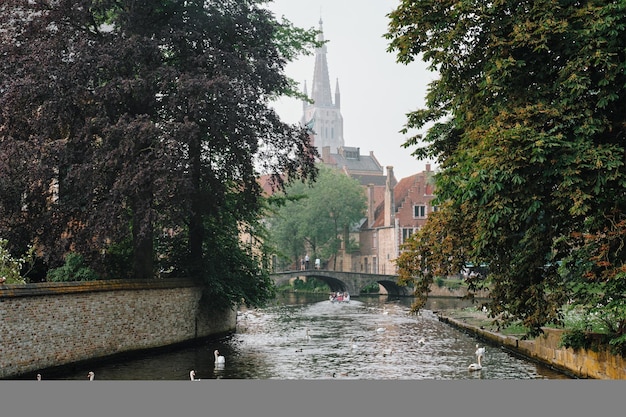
(301, 264)
(317, 263)
(306, 261)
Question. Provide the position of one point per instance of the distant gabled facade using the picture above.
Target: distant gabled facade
(404, 210)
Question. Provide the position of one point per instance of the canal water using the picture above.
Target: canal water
(307, 337)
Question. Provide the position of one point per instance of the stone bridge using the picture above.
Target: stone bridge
(351, 282)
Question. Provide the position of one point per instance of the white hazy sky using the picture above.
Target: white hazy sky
(376, 91)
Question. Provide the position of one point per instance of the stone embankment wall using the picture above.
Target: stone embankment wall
(582, 363)
(437, 291)
(46, 325)
(443, 291)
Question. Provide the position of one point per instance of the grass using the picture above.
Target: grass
(450, 283)
(574, 319)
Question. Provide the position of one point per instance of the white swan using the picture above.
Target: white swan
(219, 358)
(91, 375)
(307, 336)
(192, 375)
(480, 351)
(380, 330)
(38, 377)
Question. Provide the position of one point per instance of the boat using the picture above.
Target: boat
(339, 297)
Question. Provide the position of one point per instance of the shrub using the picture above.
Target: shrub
(11, 267)
(74, 269)
(575, 339)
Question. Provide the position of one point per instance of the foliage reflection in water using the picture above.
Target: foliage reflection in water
(307, 338)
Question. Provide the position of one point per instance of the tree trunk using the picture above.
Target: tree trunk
(143, 244)
(196, 227)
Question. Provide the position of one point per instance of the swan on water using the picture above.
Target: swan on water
(192, 375)
(307, 336)
(38, 377)
(380, 330)
(480, 351)
(91, 375)
(219, 358)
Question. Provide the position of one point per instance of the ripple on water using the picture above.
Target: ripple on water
(271, 343)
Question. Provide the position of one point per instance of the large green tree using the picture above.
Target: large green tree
(316, 217)
(138, 129)
(528, 120)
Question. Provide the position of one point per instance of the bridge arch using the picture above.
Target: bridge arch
(351, 282)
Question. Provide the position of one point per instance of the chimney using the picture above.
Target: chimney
(427, 167)
(390, 206)
(370, 205)
(326, 154)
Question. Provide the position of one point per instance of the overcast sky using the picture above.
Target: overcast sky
(376, 92)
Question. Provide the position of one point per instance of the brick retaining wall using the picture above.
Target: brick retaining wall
(52, 324)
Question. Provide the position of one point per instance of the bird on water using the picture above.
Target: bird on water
(477, 366)
(219, 359)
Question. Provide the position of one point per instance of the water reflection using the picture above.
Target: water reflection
(307, 337)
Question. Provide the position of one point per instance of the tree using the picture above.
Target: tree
(130, 124)
(316, 216)
(528, 127)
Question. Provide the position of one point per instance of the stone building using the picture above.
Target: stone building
(395, 209)
(323, 116)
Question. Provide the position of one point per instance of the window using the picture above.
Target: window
(406, 233)
(419, 212)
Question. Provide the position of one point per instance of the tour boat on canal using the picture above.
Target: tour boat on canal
(339, 297)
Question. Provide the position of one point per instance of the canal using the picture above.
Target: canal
(306, 337)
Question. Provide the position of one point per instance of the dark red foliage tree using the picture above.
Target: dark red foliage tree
(127, 125)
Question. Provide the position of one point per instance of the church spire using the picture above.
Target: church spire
(320, 91)
(322, 116)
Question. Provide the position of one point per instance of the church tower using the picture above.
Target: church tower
(323, 116)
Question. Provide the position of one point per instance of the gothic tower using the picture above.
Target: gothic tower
(323, 116)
